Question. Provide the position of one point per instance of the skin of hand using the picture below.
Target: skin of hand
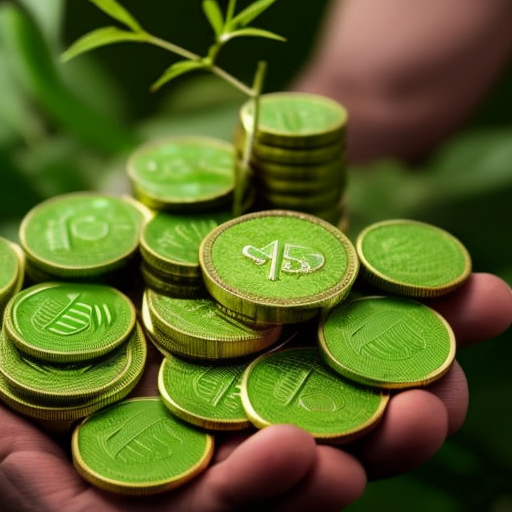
(409, 72)
(279, 468)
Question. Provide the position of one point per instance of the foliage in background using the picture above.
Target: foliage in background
(66, 127)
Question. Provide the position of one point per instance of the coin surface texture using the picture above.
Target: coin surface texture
(390, 342)
(294, 386)
(81, 234)
(412, 258)
(278, 266)
(139, 447)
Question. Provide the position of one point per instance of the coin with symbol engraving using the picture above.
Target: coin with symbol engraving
(389, 342)
(278, 266)
(69, 322)
(294, 386)
(204, 394)
(139, 447)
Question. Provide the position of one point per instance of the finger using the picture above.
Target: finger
(452, 390)
(268, 464)
(413, 428)
(335, 480)
(480, 309)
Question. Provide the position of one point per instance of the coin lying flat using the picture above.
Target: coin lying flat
(412, 258)
(294, 386)
(170, 242)
(139, 447)
(183, 173)
(277, 266)
(203, 394)
(389, 342)
(291, 119)
(81, 234)
(197, 328)
(69, 322)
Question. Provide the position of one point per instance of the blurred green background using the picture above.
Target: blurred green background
(66, 127)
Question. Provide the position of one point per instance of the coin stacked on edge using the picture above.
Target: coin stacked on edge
(69, 349)
(298, 160)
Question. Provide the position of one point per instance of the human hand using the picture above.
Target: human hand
(279, 468)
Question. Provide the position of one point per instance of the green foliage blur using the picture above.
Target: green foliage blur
(66, 127)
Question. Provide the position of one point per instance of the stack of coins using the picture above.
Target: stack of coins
(68, 350)
(12, 271)
(298, 158)
(80, 236)
(169, 247)
(198, 329)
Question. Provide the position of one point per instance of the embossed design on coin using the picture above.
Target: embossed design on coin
(80, 234)
(71, 317)
(292, 386)
(388, 342)
(138, 447)
(289, 258)
(389, 335)
(215, 392)
(69, 322)
(412, 258)
(203, 394)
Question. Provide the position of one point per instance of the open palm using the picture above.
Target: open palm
(280, 467)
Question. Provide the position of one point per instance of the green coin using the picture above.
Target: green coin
(278, 266)
(9, 268)
(389, 342)
(197, 328)
(64, 383)
(69, 322)
(48, 411)
(203, 394)
(81, 234)
(172, 285)
(295, 187)
(412, 258)
(12, 272)
(139, 447)
(309, 204)
(191, 173)
(170, 242)
(263, 153)
(301, 172)
(293, 386)
(293, 119)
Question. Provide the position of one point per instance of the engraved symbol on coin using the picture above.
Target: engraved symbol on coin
(384, 336)
(293, 389)
(288, 258)
(71, 317)
(183, 241)
(215, 391)
(138, 440)
(62, 231)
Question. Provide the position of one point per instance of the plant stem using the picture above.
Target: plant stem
(182, 52)
(242, 170)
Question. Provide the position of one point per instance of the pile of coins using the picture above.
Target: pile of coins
(69, 349)
(260, 319)
(298, 160)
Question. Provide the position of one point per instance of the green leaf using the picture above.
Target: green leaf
(214, 14)
(177, 69)
(252, 32)
(250, 13)
(118, 12)
(101, 37)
